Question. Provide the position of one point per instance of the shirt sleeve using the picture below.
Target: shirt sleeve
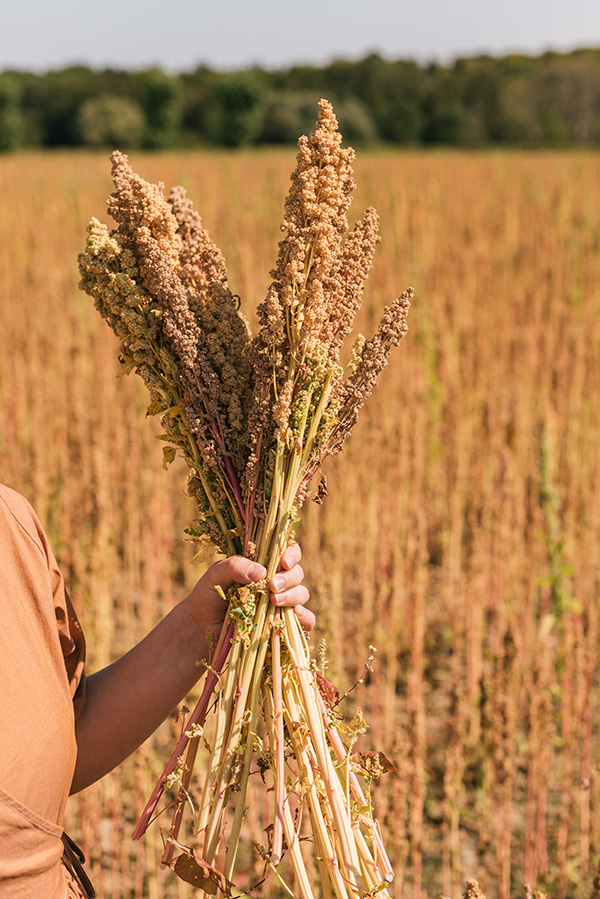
(72, 640)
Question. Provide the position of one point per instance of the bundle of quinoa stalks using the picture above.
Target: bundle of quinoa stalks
(254, 418)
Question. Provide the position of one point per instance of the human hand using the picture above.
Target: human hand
(286, 587)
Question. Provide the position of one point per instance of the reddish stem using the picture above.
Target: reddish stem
(229, 470)
(197, 717)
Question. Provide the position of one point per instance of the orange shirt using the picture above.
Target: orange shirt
(42, 690)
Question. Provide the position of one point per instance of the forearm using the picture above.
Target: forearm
(128, 700)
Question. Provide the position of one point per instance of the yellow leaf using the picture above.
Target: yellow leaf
(169, 453)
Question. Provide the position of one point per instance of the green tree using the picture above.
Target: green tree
(159, 95)
(53, 101)
(448, 122)
(554, 98)
(237, 119)
(108, 121)
(285, 115)
(11, 119)
(394, 93)
(565, 91)
(389, 93)
(199, 105)
(356, 122)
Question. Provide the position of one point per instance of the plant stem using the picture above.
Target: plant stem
(259, 656)
(197, 717)
(305, 755)
(279, 744)
(309, 695)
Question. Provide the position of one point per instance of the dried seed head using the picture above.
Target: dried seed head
(202, 262)
(314, 223)
(149, 230)
(352, 393)
(473, 891)
(345, 285)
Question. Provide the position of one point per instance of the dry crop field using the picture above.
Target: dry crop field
(461, 535)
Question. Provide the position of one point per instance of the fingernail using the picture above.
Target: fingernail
(278, 583)
(256, 571)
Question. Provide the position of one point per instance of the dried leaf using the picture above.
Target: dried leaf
(375, 763)
(321, 491)
(329, 691)
(169, 453)
(200, 874)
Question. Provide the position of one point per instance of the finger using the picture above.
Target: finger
(285, 580)
(305, 617)
(297, 596)
(291, 556)
(234, 570)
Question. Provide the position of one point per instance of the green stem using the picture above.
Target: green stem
(231, 548)
(245, 675)
(264, 552)
(316, 419)
(279, 743)
(251, 733)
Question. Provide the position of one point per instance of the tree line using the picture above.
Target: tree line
(552, 99)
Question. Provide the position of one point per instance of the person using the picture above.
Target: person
(61, 730)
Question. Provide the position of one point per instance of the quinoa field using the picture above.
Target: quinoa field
(461, 534)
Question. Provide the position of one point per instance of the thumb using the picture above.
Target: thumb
(235, 570)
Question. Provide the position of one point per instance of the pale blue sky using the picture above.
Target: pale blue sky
(181, 34)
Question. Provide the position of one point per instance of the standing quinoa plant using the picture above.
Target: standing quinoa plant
(254, 418)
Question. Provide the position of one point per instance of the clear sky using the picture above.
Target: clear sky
(178, 35)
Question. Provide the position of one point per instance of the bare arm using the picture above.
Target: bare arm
(128, 700)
